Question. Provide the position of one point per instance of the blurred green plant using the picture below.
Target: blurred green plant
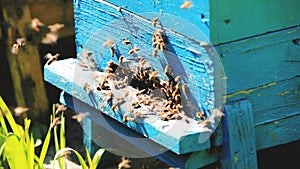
(17, 147)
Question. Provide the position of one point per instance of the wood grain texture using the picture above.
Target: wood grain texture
(239, 136)
(68, 76)
(223, 21)
(260, 60)
(25, 68)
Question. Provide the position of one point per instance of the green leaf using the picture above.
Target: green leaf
(60, 152)
(97, 157)
(62, 132)
(15, 152)
(4, 109)
(89, 158)
(45, 146)
(30, 153)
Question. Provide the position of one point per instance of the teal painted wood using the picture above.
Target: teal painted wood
(223, 20)
(193, 62)
(260, 60)
(68, 76)
(100, 130)
(239, 148)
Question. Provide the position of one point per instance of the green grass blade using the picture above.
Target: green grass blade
(62, 132)
(15, 152)
(3, 124)
(97, 157)
(30, 153)
(39, 162)
(64, 150)
(45, 146)
(9, 117)
(89, 158)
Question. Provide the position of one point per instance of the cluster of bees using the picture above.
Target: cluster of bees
(162, 97)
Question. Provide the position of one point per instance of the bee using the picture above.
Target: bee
(127, 118)
(168, 71)
(65, 154)
(85, 53)
(55, 122)
(20, 42)
(126, 42)
(114, 106)
(218, 113)
(112, 51)
(154, 22)
(51, 58)
(177, 79)
(206, 123)
(186, 4)
(121, 59)
(20, 110)
(79, 117)
(60, 108)
(201, 114)
(55, 27)
(50, 38)
(87, 88)
(35, 24)
(153, 75)
(108, 43)
(109, 96)
(203, 44)
(125, 163)
(134, 50)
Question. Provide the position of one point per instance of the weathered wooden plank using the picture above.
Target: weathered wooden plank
(233, 19)
(239, 136)
(257, 61)
(222, 21)
(192, 62)
(283, 100)
(278, 132)
(68, 76)
(123, 141)
(28, 84)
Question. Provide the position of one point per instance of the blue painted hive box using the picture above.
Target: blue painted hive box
(154, 69)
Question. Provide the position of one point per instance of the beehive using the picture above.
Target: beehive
(262, 81)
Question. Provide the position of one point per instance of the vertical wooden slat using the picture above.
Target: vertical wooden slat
(25, 68)
(239, 149)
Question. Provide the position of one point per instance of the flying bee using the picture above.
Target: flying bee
(134, 50)
(55, 27)
(60, 108)
(65, 154)
(20, 42)
(55, 122)
(51, 58)
(168, 71)
(154, 22)
(218, 113)
(125, 163)
(186, 4)
(126, 42)
(108, 43)
(35, 24)
(86, 86)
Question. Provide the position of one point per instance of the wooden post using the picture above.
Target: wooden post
(239, 146)
(25, 67)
